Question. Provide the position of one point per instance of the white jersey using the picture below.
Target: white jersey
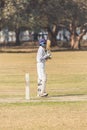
(41, 55)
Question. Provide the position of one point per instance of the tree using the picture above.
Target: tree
(66, 12)
(12, 15)
(36, 14)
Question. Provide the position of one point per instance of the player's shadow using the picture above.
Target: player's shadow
(66, 95)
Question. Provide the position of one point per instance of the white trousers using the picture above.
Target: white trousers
(41, 77)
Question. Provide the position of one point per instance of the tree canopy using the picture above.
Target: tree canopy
(41, 13)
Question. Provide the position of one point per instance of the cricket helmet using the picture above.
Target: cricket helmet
(42, 42)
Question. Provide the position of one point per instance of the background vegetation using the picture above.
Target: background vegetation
(37, 14)
(41, 13)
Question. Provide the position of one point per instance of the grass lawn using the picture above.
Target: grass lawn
(67, 75)
(44, 116)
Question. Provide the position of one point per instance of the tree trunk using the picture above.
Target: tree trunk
(76, 38)
(17, 36)
(75, 42)
(52, 35)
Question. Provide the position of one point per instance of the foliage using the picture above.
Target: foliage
(37, 14)
(41, 12)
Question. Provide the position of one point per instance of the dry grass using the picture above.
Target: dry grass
(44, 116)
(66, 72)
(67, 75)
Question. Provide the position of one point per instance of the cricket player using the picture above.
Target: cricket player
(41, 58)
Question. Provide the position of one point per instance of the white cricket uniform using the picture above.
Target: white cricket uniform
(41, 58)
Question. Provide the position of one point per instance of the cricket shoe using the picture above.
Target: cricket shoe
(43, 95)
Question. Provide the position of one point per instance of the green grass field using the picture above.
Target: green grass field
(67, 75)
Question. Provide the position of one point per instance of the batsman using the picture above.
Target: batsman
(43, 54)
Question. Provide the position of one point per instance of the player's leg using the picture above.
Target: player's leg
(39, 79)
(44, 79)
